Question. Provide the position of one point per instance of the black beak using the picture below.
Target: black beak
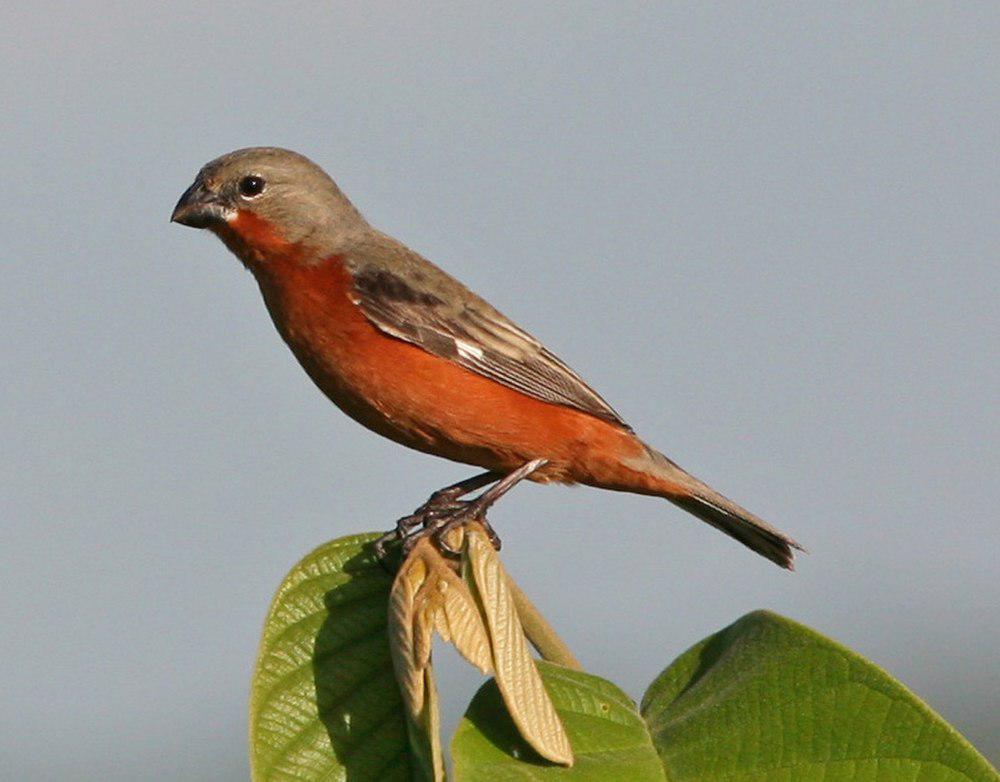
(199, 208)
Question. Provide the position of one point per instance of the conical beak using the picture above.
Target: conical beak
(200, 208)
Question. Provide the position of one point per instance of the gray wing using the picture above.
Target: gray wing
(418, 303)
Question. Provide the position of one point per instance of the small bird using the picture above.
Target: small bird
(411, 353)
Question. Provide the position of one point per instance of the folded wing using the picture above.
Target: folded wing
(422, 305)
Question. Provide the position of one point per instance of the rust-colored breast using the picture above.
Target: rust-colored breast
(403, 392)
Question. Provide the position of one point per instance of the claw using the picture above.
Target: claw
(444, 510)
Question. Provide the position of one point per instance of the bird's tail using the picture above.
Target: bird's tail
(666, 479)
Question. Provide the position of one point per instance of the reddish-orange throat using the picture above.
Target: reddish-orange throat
(256, 241)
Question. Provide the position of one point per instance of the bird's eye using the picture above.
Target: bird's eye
(251, 186)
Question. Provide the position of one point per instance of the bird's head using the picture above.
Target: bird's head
(260, 191)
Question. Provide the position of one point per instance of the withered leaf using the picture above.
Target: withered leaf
(517, 677)
(428, 595)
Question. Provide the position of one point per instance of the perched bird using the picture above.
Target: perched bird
(411, 353)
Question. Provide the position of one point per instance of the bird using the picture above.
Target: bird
(412, 354)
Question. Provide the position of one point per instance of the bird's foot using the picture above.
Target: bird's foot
(439, 504)
(445, 511)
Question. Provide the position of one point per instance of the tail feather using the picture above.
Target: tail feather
(749, 530)
(701, 500)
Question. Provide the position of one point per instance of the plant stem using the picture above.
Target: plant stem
(539, 632)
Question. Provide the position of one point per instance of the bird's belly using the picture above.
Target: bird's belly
(420, 400)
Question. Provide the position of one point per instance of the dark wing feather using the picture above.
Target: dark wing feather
(418, 303)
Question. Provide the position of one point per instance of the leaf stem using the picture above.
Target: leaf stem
(539, 632)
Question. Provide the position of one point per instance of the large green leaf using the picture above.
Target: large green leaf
(324, 703)
(765, 699)
(768, 699)
(610, 741)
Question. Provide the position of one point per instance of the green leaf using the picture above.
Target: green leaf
(767, 699)
(324, 704)
(610, 741)
(764, 700)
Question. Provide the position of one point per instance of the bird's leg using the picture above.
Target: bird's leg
(445, 510)
(475, 510)
(446, 498)
(442, 501)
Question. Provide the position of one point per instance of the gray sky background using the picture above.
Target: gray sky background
(766, 233)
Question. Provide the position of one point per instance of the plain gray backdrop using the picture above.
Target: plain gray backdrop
(767, 233)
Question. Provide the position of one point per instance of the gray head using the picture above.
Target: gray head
(294, 195)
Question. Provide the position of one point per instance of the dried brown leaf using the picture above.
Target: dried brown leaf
(517, 677)
(427, 596)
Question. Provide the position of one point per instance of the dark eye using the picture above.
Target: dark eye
(251, 186)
